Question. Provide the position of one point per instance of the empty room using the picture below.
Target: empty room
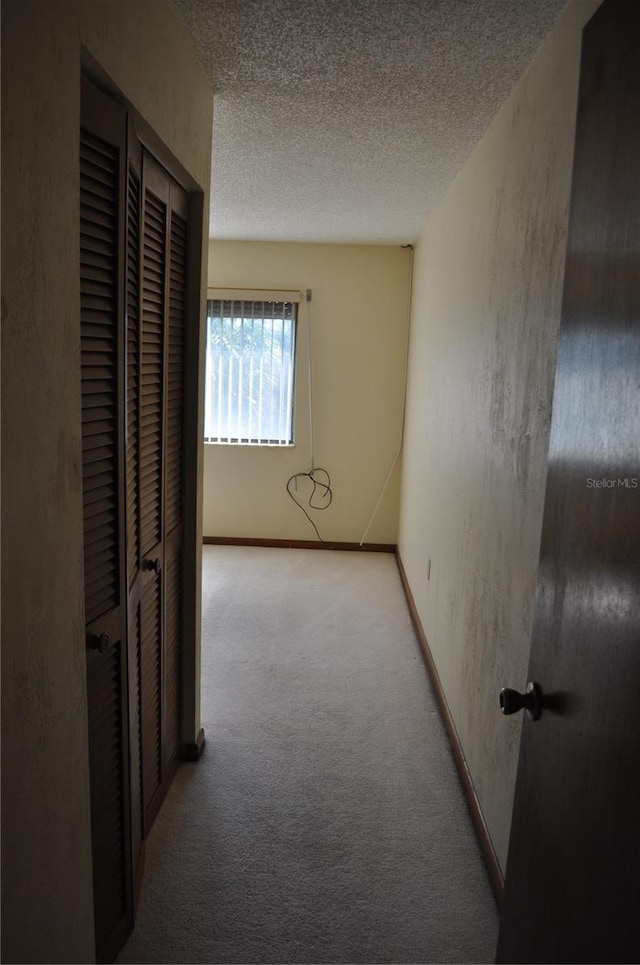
(320, 569)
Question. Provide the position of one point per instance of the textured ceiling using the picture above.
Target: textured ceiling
(346, 120)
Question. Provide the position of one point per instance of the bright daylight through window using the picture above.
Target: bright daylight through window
(250, 372)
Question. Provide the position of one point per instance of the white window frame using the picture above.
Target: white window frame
(253, 295)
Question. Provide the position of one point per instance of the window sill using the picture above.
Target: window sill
(252, 445)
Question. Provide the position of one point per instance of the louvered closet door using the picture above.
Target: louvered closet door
(134, 570)
(155, 222)
(102, 186)
(174, 469)
(160, 469)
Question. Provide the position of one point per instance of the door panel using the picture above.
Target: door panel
(102, 180)
(135, 745)
(152, 363)
(108, 810)
(99, 255)
(164, 269)
(572, 890)
(173, 590)
(133, 351)
(155, 215)
(133, 364)
(174, 468)
(151, 675)
(175, 356)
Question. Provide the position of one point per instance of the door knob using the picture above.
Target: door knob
(531, 700)
(98, 641)
(152, 565)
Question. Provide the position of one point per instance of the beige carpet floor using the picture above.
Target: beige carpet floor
(325, 821)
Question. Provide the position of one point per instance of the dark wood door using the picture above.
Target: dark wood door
(160, 467)
(102, 187)
(572, 890)
(133, 271)
(175, 343)
(133, 540)
(155, 205)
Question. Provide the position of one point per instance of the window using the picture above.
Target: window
(250, 369)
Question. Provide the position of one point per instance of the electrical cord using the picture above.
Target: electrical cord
(321, 493)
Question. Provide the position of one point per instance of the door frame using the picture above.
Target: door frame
(192, 735)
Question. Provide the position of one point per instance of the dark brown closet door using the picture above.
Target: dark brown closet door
(161, 390)
(133, 267)
(102, 187)
(174, 470)
(155, 230)
(133, 354)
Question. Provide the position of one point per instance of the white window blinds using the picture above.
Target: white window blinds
(250, 368)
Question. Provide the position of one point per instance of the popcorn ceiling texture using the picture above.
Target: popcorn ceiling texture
(346, 121)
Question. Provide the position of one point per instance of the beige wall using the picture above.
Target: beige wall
(47, 911)
(359, 322)
(486, 307)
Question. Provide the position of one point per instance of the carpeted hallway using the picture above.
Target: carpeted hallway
(324, 822)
